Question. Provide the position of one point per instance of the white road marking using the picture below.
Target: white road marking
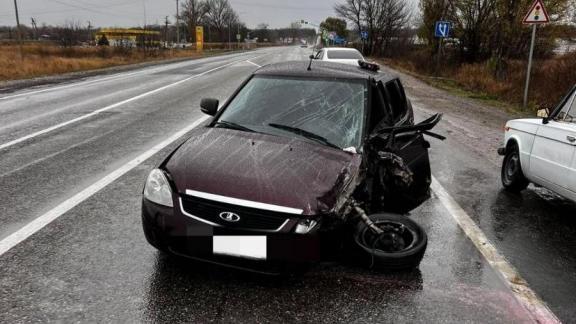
(37, 224)
(96, 112)
(115, 77)
(253, 63)
(524, 294)
(88, 82)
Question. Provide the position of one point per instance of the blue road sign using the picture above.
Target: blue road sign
(364, 34)
(339, 40)
(442, 29)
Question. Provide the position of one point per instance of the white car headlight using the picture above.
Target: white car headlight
(157, 189)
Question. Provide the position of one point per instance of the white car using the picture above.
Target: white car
(340, 55)
(542, 151)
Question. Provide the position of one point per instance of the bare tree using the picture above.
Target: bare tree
(219, 13)
(70, 34)
(351, 10)
(382, 19)
(194, 13)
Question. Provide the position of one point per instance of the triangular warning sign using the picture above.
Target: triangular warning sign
(537, 14)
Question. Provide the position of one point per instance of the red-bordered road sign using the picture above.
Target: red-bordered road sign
(537, 14)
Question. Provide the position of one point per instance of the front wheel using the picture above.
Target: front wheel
(400, 246)
(512, 176)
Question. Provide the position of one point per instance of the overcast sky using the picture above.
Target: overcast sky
(126, 13)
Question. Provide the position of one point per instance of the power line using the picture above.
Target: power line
(267, 5)
(85, 8)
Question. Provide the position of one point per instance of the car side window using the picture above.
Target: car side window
(567, 113)
(571, 114)
(397, 99)
(379, 113)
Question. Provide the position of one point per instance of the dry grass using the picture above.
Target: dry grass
(551, 79)
(47, 59)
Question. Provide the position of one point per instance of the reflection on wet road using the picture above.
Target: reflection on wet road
(93, 264)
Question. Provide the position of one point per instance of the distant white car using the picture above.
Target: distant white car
(340, 55)
(542, 151)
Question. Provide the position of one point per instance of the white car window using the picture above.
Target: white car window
(345, 55)
(570, 116)
(564, 113)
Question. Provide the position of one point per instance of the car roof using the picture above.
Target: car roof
(322, 69)
(340, 49)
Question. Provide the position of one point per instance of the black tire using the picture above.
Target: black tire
(401, 247)
(513, 179)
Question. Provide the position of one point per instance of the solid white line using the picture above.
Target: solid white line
(96, 112)
(524, 294)
(119, 76)
(253, 63)
(37, 224)
(115, 77)
(243, 202)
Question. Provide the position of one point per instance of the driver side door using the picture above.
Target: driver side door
(552, 156)
(411, 147)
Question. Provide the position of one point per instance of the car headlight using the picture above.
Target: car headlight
(157, 189)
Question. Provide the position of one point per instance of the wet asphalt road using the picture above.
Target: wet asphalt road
(93, 264)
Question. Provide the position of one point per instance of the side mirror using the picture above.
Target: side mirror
(312, 57)
(209, 106)
(543, 112)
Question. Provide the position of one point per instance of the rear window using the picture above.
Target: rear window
(345, 55)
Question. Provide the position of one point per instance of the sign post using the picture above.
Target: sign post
(199, 38)
(535, 16)
(364, 37)
(441, 30)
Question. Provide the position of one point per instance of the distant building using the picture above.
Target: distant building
(129, 37)
(564, 46)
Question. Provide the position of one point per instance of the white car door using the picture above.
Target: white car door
(552, 156)
(571, 121)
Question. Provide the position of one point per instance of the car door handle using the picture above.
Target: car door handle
(571, 139)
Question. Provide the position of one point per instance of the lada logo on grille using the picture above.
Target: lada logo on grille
(230, 217)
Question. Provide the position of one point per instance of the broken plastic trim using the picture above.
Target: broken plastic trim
(368, 66)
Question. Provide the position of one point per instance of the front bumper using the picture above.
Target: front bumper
(170, 230)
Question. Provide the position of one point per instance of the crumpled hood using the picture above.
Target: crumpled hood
(262, 168)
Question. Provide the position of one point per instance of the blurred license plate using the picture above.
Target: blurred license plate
(252, 247)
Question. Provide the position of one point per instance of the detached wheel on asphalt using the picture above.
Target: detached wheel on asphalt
(513, 179)
(401, 246)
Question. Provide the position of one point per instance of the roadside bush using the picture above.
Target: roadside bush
(480, 77)
(551, 78)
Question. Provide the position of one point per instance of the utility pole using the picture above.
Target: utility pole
(19, 31)
(145, 25)
(178, 21)
(35, 28)
(89, 32)
(166, 32)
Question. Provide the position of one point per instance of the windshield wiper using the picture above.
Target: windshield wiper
(231, 125)
(305, 133)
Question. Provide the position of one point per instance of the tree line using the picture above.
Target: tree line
(216, 16)
(482, 29)
(220, 21)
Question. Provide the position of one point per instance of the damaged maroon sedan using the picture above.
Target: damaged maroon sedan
(301, 164)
